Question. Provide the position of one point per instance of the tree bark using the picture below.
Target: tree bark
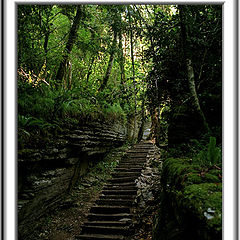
(121, 59)
(190, 71)
(193, 92)
(71, 41)
(143, 120)
(110, 63)
(90, 68)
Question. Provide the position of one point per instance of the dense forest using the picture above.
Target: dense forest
(80, 64)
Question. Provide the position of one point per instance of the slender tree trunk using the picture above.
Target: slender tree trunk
(193, 92)
(90, 67)
(69, 86)
(190, 71)
(143, 120)
(110, 63)
(71, 41)
(46, 41)
(121, 59)
(154, 120)
(133, 73)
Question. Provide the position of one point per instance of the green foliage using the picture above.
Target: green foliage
(167, 78)
(44, 110)
(115, 112)
(214, 153)
(210, 156)
(42, 37)
(43, 32)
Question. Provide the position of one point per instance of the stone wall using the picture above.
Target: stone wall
(46, 175)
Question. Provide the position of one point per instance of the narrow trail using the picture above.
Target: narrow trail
(112, 215)
(147, 130)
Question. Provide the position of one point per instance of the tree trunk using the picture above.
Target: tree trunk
(193, 92)
(110, 63)
(71, 41)
(90, 67)
(133, 72)
(143, 120)
(69, 75)
(154, 120)
(190, 72)
(121, 59)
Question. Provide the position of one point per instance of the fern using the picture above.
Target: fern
(213, 152)
(209, 156)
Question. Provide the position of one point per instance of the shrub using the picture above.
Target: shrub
(209, 156)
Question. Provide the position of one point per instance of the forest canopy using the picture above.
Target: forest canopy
(80, 63)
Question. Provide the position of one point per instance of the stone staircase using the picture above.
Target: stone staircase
(112, 214)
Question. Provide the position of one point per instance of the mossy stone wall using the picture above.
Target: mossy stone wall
(191, 202)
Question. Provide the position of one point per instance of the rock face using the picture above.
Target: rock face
(46, 175)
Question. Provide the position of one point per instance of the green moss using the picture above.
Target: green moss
(205, 200)
(194, 192)
(196, 178)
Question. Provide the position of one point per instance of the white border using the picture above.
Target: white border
(230, 177)
(230, 101)
(10, 126)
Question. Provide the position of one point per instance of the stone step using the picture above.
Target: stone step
(120, 192)
(116, 187)
(138, 151)
(107, 223)
(115, 202)
(147, 145)
(117, 196)
(109, 217)
(130, 165)
(142, 147)
(109, 209)
(133, 169)
(126, 174)
(120, 184)
(133, 160)
(135, 163)
(122, 179)
(139, 156)
(99, 237)
(109, 230)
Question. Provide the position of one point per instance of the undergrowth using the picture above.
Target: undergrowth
(200, 152)
(191, 200)
(44, 110)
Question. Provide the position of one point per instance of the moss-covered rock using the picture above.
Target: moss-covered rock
(191, 202)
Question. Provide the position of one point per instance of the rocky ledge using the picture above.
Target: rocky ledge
(46, 175)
